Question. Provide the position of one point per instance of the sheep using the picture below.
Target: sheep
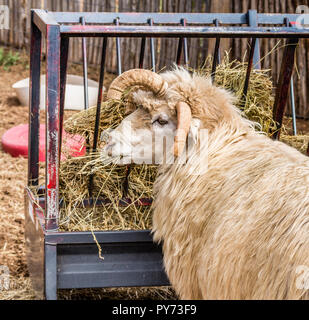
(239, 229)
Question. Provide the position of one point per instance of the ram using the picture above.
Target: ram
(234, 216)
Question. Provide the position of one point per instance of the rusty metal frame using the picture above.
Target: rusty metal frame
(57, 28)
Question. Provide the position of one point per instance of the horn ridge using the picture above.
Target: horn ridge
(137, 77)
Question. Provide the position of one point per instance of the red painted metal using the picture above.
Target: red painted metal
(52, 125)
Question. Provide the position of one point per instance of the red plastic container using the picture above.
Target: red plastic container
(15, 142)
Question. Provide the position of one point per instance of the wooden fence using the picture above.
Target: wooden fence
(271, 49)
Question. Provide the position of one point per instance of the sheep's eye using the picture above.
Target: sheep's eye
(162, 122)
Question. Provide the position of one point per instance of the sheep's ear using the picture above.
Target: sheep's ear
(194, 128)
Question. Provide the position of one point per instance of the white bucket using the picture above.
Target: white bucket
(74, 92)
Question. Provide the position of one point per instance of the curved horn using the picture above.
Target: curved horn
(183, 127)
(140, 77)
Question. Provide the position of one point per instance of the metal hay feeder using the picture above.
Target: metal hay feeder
(58, 260)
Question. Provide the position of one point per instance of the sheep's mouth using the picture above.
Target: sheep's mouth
(116, 160)
(125, 158)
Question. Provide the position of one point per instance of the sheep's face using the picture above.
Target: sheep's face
(146, 135)
(170, 110)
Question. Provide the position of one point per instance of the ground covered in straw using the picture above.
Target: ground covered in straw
(13, 173)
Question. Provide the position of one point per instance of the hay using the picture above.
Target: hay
(108, 183)
(20, 289)
(259, 103)
(112, 113)
(132, 293)
(299, 142)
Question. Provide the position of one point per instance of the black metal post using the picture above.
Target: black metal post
(100, 95)
(34, 105)
(98, 110)
(142, 54)
(216, 56)
(64, 47)
(179, 50)
(249, 68)
(286, 71)
(182, 45)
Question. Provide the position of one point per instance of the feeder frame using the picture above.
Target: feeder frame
(58, 260)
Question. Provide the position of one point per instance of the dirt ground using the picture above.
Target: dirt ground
(13, 174)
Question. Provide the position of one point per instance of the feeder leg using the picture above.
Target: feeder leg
(216, 59)
(216, 56)
(50, 271)
(52, 126)
(34, 106)
(142, 53)
(182, 44)
(179, 50)
(64, 47)
(284, 83)
(249, 68)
